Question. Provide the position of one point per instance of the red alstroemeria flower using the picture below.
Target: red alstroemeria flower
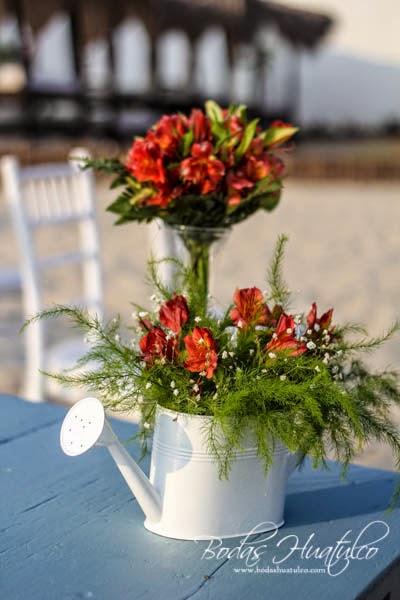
(168, 132)
(256, 147)
(257, 169)
(174, 313)
(202, 168)
(156, 345)
(323, 322)
(283, 339)
(200, 125)
(161, 197)
(145, 162)
(236, 183)
(250, 309)
(202, 351)
(277, 166)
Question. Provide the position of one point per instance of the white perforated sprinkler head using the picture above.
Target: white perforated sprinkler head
(85, 426)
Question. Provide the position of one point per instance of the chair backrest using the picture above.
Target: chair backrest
(44, 196)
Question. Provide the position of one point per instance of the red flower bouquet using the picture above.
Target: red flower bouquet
(211, 169)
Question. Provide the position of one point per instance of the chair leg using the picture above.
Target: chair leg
(33, 387)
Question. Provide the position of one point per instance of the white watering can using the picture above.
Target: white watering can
(184, 498)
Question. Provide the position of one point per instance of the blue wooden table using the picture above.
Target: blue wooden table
(70, 529)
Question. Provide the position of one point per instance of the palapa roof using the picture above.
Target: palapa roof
(241, 18)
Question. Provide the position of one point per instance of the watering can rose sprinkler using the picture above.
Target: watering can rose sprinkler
(85, 426)
(184, 498)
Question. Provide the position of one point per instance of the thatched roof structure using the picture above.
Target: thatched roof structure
(240, 18)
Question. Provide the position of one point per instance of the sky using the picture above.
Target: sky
(366, 28)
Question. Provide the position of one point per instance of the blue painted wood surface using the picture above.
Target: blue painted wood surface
(70, 529)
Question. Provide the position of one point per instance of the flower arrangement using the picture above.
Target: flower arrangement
(293, 377)
(211, 169)
(200, 174)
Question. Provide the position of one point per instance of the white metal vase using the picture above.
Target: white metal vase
(196, 503)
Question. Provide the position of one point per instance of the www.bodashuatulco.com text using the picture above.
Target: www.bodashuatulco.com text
(278, 570)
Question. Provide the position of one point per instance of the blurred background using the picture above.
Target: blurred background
(94, 73)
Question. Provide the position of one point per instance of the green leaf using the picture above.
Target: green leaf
(141, 195)
(240, 111)
(268, 201)
(214, 112)
(187, 142)
(277, 135)
(247, 138)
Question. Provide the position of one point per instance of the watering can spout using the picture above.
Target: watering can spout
(85, 426)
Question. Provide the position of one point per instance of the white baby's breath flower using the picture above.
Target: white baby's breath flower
(148, 385)
(339, 352)
(146, 425)
(224, 355)
(197, 319)
(215, 396)
(173, 384)
(251, 351)
(143, 314)
(163, 360)
(240, 324)
(289, 330)
(117, 337)
(134, 315)
(198, 397)
(282, 377)
(274, 336)
(203, 373)
(311, 345)
(231, 354)
(263, 370)
(309, 331)
(196, 387)
(272, 355)
(175, 392)
(317, 369)
(317, 327)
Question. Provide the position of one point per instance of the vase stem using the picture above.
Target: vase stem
(198, 244)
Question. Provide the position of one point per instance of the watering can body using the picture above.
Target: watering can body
(198, 504)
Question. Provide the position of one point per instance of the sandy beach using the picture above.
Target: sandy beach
(344, 252)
